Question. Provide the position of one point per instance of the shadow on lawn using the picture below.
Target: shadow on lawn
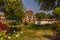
(51, 37)
(13, 30)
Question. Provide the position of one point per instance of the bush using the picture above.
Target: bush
(56, 27)
(13, 23)
(38, 27)
(12, 29)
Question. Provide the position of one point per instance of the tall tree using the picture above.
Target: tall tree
(49, 16)
(56, 12)
(48, 4)
(1, 5)
(14, 8)
(40, 15)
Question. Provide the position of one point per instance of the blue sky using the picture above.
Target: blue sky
(31, 4)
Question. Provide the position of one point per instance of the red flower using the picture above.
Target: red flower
(3, 26)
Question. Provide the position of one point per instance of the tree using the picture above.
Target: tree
(1, 2)
(14, 8)
(40, 15)
(56, 30)
(49, 15)
(1, 5)
(56, 12)
(48, 4)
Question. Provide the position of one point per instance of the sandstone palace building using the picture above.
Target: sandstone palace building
(29, 16)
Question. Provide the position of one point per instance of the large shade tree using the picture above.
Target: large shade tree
(48, 4)
(56, 12)
(49, 16)
(12, 8)
(1, 5)
(40, 15)
(55, 6)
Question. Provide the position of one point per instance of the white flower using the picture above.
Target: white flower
(9, 37)
(5, 36)
(21, 32)
(17, 35)
(13, 31)
(1, 38)
(9, 33)
(25, 37)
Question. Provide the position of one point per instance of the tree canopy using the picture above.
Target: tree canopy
(13, 8)
(56, 12)
(48, 4)
(40, 15)
(49, 15)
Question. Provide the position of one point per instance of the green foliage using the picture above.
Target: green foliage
(13, 30)
(56, 12)
(48, 4)
(56, 28)
(37, 27)
(14, 8)
(40, 15)
(13, 23)
(1, 2)
(2, 35)
(43, 15)
(49, 15)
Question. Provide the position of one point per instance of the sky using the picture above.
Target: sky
(31, 5)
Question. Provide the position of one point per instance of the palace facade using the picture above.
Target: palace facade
(29, 17)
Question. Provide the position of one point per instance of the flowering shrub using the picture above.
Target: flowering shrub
(3, 26)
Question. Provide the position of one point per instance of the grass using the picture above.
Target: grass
(28, 32)
(28, 35)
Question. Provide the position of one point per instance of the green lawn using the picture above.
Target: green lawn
(27, 35)
(27, 32)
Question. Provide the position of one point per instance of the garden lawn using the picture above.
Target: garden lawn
(29, 35)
